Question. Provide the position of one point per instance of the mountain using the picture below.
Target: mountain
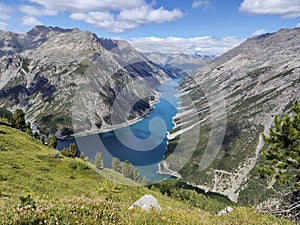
(45, 69)
(226, 105)
(39, 186)
(179, 64)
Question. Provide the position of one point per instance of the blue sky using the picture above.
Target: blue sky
(203, 26)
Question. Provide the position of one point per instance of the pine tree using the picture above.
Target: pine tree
(52, 142)
(116, 164)
(18, 120)
(127, 169)
(42, 138)
(136, 174)
(28, 129)
(282, 157)
(99, 160)
(73, 150)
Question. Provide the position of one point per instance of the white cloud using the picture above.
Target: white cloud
(298, 25)
(3, 25)
(89, 5)
(128, 18)
(37, 11)
(284, 8)
(116, 16)
(97, 19)
(30, 21)
(201, 3)
(4, 16)
(203, 45)
(146, 14)
(259, 32)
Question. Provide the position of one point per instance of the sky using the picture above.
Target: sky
(206, 27)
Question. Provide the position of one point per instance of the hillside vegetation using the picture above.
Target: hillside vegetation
(38, 187)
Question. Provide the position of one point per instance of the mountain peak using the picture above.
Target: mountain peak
(41, 29)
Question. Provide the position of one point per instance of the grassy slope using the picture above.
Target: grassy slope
(68, 191)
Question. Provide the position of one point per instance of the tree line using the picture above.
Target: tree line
(125, 168)
(18, 121)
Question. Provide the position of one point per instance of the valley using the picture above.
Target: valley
(190, 124)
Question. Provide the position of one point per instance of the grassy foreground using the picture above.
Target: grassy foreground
(38, 188)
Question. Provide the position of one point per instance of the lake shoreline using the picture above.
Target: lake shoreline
(115, 127)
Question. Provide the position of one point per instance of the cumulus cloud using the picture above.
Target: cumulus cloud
(284, 8)
(203, 45)
(116, 16)
(146, 14)
(259, 32)
(89, 5)
(30, 21)
(97, 19)
(3, 25)
(298, 25)
(37, 11)
(4, 15)
(201, 3)
(128, 18)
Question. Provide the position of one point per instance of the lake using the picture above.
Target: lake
(152, 130)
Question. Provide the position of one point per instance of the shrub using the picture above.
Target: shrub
(70, 152)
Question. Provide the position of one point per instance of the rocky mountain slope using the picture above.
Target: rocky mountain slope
(42, 70)
(230, 102)
(179, 64)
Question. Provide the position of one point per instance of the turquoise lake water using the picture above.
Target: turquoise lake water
(147, 160)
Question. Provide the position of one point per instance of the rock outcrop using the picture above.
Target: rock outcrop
(228, 209)
(146, 203)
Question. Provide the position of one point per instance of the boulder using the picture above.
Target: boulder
(228, 209)
(147, 203)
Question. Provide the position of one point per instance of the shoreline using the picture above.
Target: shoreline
(167, 171)
(115, 127)
(163, 165)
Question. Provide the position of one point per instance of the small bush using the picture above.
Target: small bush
(27, 201)
(70, 152)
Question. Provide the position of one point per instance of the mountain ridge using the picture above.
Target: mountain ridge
(258, 79)
(49, 64)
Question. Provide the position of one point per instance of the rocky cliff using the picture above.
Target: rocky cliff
(226, 105)
(42, 70)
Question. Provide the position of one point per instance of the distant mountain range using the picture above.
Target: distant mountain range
(237, 95)
(179, 64)
(41, 70)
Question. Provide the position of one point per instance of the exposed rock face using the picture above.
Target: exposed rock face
(146, 203)
(257, 80)
(228, 209)
(40, 71)
(181, 64)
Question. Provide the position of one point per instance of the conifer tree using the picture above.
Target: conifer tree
(52, 142)
(99, 160)
(116, 164)
(28, 129)
(282, 159)
(18, 120)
